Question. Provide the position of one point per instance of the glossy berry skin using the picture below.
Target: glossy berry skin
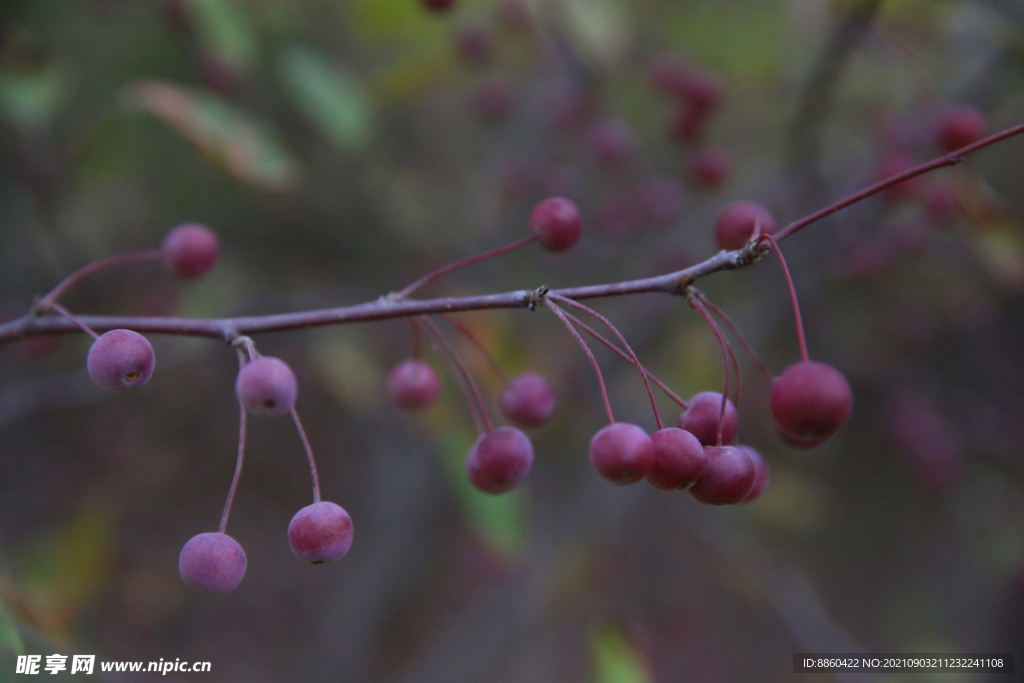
(678, 459)
(500, 460)
(701, 418)
(728, 476)
(212, 562)
(190, 250)
(809, 402)
(320, 533)
(120, 360)
(761, 474)
(959, 126)
(556, 223)
(527, 400)
(414, 384)
(622, 453)
(735, 224)
(266, 386)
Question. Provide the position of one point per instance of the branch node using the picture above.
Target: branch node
(536, 297)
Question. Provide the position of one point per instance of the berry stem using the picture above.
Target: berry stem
(762, 368)
(444, 270)
(453, 354)
(238, 469)
(563, 316)
(475, 341)
(88, 269)
(615, 330)
(625, 356)
(727, 353)
(792, 295)
(67, 314)
(309, 455)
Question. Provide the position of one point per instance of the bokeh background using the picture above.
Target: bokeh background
(340, 149)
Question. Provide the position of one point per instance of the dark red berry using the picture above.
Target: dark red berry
(528, 400)
(760, 474)
(710, 168)
(120, 359)
(688, 124)
(414, 384)
(267, 386)
(678, 459)
(702, 89)
(438, 5)
(701, 418)
(809, 402)
(556, 223)
(320, 533)
(959, 126)
(736, 222)
(622, 452)
(728, 476)
(212, 562)
(499, 460)
(190, 250)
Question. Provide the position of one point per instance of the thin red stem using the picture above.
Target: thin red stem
(100, 264)
(238, 470)
(615, 330)
(726, 352)
(563, 316)
(67, 314)
(801, 339)
(441, 272)
(439, 335)
(309, 455)
(475, 341)
(762, 368)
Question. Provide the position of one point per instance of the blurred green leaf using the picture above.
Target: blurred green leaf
(615, 659)
(329, 95)
(224, 133)
(226, 31)
(30, 99)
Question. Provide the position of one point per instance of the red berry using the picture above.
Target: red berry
(728, 476)
(556, 223)
(499, 460)
(528, 400)
(120, 359)
(622, 452)
(266, 386)
(688, 124)
(760, 474)
(735, 224)
(678, 459)
(710, 168)
(959, 126)
(212, 562)
(438, 5)
(702, 89)
(320, 533)
(413, 384)
(701, 418)
(190, 250)
(809, 402)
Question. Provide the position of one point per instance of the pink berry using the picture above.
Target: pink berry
(120, 359)
(190, 250)
(760, 474)
(212, 562)
(710, 168)
(678, 459)
(728, 476)
(701, 418)
(735, 224)
(266, 386)
(414, 384)
(320, 533)
(500, 460)
(622, 452)
(528, 400)
(809, 402)
(959, 126)
(556, 223)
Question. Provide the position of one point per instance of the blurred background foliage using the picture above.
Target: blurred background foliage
(340, 149)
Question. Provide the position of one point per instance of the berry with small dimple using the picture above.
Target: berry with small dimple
(212, 562)
(809, 402)
(320, 533)
(678, 459)
(728, 476)
(414, 384)
(556, 223)
(736, 222)
(959, 126)
(760, 474)
(622, 452)
(499, 460)
(120, 359)
(710, 168)
(266, 386)
(701, 418)
(190, 250)
(528, 400)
